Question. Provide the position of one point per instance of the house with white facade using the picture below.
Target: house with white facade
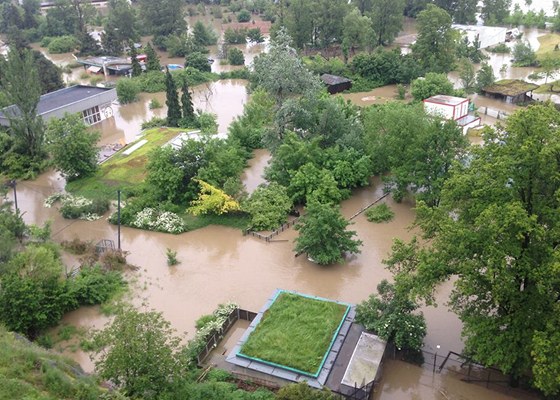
(451, 108)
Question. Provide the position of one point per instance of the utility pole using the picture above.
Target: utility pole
(119, 219)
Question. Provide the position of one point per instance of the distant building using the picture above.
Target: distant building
(451, 108)
(336, 84)
(94, 103)
(511, 91)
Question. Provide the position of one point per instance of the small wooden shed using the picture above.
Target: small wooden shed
(511, 91)
(336, 84)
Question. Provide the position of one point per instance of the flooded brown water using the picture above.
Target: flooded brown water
(253, 175)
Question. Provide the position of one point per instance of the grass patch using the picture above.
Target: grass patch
(547, 44)
(234, 220)
(296, 332)
(122, 171)
(380, 213)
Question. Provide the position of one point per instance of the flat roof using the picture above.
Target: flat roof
(365, 361)
(64, 97)
(446, 100)
(510, 87)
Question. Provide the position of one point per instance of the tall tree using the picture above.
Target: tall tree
(357, 32)
(496, 232)
(329, 16)
(50, 75)
(20, 83)
(88, 45)
(72, 146)
(323, 235)
(31, 12)
(152, 62)
(172, 100)
(111, 42)
(187, 107)
(465, 12)
(164, 17)
(299, 22)
(363, 6)
(121, 19)
(387, 18)
(136, 68)
(495, 11)
(435, 47)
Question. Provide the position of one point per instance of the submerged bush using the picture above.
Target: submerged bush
(380, 213)
(78, 207)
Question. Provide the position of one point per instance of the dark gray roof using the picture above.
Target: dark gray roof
(329, 79)
(64, 97)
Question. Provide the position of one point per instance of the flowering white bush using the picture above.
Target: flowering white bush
(155, 220)
(77, 207)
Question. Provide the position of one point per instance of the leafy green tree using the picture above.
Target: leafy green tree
(203, 35)
(127, 90)
(133, 54)
(163, 18)
(269, 206)
(328, 19)
(131, 348)
(87, 44)
(323, 234)
(152, 61)
(172, 100)
(387, 19)
(235, 56)
(418, 150)
(524, 55)
(282, 73)
(496, 231)
(255, 35)
(198, 61)
(21, 85)
(243, 16)
(432, 84)
(310, 182)
(212, 200)
(111, 42)
(187, 108)
(495, 11)
(467, 76)
(484, 76)
(122, 21)
(435, 47)
(61, 19)
(72, 146)
(546, 344)
(550, 66)
(50, 76)
(299, 22)
(390, 315)
(363, 6)
(357, 31)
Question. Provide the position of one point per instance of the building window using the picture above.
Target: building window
(92, 115)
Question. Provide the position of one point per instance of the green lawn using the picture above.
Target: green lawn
(122, 171)
(295, 332)
(547, 44)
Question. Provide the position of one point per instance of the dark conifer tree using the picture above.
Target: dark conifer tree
(187, 104)
(152, 63)
(172, 100)
(136, 68)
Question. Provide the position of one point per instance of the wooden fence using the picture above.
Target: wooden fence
(213, 340)
(267, 238)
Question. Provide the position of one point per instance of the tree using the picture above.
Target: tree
(243, 16)
(282, 73)
(212, 200)
(269, 206)
(524, 55)
(111, 42)
(163, 18)
(20, 83)
(467, 75)
(187, 107)
(133, 54)
(299, 22)
(50, 76)
(390, 315)
(203, 35)
(198, 61)
(122, 22)
(496, 232)
(495, 11)
(387, 18)
(328, 20)
(484, 76)
(432, 84)
(323, 235)
(152, 59)
(127, 91)
(88, 45)
(132, 346)
(435, 46)
(357, 31)
(235, 56)
(172, 100)
(363, 6)
(550, 66)
(72, 146)
(465, 12)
